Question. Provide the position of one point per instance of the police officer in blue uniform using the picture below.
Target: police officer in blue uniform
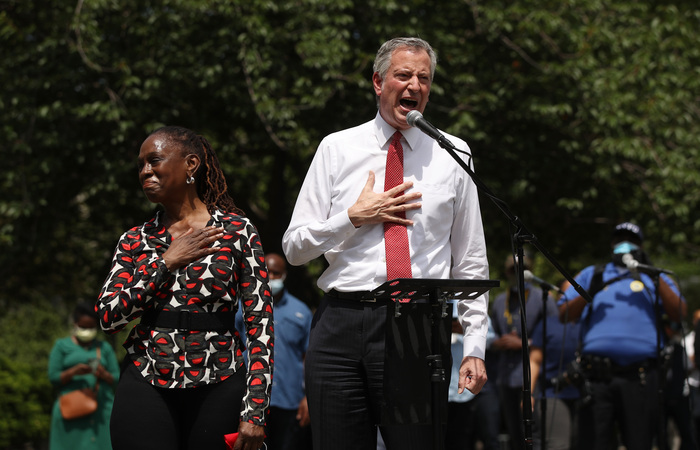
(620, 343)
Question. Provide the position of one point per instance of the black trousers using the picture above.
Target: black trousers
(282, 431)
(510, 399)
(345, 380)
(145, 417)
(626, 402)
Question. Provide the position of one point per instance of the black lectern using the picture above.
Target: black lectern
(418, 331)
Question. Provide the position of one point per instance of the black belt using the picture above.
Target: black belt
(358, 296)
(634, 369)
(602, 368)
(190, 320)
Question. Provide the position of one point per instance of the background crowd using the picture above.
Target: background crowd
(490, 420)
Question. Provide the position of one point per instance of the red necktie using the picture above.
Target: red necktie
(398, 258)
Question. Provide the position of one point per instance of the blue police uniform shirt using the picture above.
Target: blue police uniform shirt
(562, 343)
(292, 319)
(621, 324)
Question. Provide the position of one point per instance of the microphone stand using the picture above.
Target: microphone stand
(661, 362)
(520, 236)
(543, 368)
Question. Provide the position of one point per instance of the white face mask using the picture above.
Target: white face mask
(85, 335)
(276, 285)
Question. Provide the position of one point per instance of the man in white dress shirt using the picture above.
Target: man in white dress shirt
(341, 213)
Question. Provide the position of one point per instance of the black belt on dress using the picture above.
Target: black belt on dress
(190, 320)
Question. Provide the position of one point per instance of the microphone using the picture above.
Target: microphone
(635, 266)
(415, 119)
(530, 277)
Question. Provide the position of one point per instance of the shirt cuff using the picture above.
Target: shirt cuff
(475, 346)
(341, 227)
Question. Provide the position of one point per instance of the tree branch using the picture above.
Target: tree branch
(510, 44)
(254, 98)
(79, 41)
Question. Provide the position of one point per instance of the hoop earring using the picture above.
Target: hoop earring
(190, 180)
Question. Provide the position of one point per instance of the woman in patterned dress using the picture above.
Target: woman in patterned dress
(184, 383)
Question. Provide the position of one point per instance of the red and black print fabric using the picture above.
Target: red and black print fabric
(170, 358)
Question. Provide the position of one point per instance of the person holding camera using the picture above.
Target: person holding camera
(508, 345)
(621, 342)
(554, 378)
(76, 362)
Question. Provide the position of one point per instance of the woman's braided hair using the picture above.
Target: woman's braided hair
(209, 178)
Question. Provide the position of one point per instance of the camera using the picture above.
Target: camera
(573, 375)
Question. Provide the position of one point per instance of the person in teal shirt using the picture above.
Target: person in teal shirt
(74, 364)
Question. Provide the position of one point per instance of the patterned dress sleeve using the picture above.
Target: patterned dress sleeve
(133, 280)
(257, 316)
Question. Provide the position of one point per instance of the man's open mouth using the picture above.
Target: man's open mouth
(408, 103)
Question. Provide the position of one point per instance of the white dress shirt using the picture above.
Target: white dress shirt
(446, 239)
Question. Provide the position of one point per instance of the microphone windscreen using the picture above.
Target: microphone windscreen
(412, 117)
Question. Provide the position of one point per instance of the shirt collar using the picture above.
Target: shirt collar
(154, 226)
(383, 131)
(283, 298)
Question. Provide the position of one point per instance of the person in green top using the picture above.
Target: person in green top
(74, 364)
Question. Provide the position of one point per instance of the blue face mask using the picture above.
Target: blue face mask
(625, 247)
(276, 286)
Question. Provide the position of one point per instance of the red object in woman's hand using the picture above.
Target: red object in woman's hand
(230, 440)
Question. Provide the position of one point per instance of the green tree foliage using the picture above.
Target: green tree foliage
(27, 333)
(580, 114)
(26, 405)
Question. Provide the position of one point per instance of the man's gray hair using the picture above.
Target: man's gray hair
(383, 59)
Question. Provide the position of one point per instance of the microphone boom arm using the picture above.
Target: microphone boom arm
(523, 232)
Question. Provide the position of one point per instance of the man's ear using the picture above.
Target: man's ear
(377, 83)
